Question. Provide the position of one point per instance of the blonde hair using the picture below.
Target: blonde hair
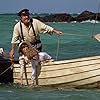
(30, 53)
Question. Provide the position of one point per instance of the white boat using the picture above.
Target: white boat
(68, 73)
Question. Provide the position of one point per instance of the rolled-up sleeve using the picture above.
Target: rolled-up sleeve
(43, 27)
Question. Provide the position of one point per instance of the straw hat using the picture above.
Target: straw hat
(31, 52)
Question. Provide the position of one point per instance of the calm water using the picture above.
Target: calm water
(77, 41)
(18, 93)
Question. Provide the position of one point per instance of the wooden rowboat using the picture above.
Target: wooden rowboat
(72, 73)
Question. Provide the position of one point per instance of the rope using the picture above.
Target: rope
(95, 20)
(75, 34)
(6, 70)
(57, 49)
(58, 44)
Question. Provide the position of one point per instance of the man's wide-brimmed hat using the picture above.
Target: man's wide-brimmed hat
(23, 12)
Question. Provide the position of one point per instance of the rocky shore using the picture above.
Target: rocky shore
(64, 17)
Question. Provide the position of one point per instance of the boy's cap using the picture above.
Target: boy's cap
(23, 12)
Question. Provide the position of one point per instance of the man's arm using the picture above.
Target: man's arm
(57, 32)
(12, 50)
(42, 27)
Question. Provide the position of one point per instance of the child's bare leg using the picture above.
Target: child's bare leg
(22, 63)
(33, 77)
(21, 80)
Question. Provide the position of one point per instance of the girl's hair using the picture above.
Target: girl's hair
(22, 46)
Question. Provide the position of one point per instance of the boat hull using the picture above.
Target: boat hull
(71, 73)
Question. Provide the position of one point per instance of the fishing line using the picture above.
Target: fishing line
(75, 34)
(58, 44)
(57, 48)
(94, 25)
(79, 35)
(97, 14)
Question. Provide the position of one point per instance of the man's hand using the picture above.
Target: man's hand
(57, 32)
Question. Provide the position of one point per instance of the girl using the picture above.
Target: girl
(29, 55)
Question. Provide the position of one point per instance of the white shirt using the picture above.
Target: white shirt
(28, 32)
(43, 56)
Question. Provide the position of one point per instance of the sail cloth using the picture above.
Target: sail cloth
(97, 37)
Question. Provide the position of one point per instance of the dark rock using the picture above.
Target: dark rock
(97, 16)
(86, 15)
(63, 17)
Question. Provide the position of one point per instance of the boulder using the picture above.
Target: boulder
(86, 15)
(60, 17)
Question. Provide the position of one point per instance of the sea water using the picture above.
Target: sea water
(77, 41)
(39, 93)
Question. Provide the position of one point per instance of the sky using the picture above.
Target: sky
(49, 6)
